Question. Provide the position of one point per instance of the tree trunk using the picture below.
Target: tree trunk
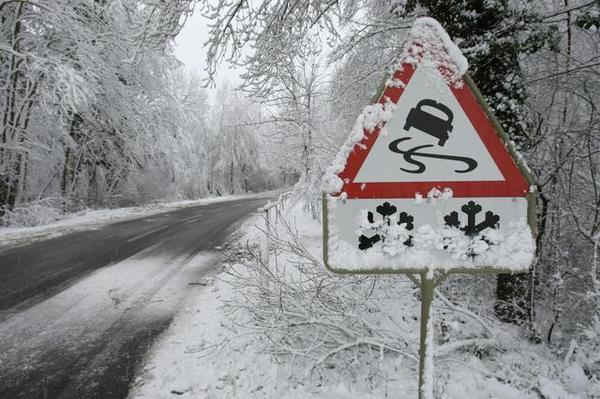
(231, 171)
(512, 293)
(11, 164)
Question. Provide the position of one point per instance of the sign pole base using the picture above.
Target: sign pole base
(427, 286)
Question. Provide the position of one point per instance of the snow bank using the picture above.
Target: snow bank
(198, 357)
(553, 390)
(465, 383)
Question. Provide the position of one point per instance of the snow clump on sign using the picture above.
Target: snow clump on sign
(435, 194)
(373, 116)
(429, 47)
(429, 44)
(512, 250)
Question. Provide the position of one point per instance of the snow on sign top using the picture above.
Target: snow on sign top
(429, 135)
(429, 43)
(427, 130)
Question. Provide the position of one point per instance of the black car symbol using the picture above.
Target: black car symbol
(428, 123)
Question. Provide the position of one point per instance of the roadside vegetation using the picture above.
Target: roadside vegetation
(535, 63)
(96, 111)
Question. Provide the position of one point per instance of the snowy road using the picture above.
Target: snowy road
(78, 312)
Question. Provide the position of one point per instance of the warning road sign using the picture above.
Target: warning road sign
(439, 135)
(433, 182)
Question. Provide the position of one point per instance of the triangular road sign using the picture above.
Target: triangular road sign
(440, 135)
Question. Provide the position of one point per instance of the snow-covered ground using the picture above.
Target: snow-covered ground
(202, 354)
(89, 219)
(74, 339)
(215, 348)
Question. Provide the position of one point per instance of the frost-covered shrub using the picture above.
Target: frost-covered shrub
(585, 349)
(330, 325)
(34, 213)
(302, 310)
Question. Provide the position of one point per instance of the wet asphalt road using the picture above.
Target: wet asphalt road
(78, 312)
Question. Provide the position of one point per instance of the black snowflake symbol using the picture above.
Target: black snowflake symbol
(472, 228)
(385, 210)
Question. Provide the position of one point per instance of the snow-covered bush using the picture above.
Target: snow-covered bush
(112, 121)
(302, 311)
(34, 213)
(330, 324)
(330, 329)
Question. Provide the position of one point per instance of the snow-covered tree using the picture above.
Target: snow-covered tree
(94, 108)
(535, 63)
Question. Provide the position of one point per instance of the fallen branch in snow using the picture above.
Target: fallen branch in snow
(445, 349)
(301, 310)
(466, 312)
(478, 369)
(350, 345)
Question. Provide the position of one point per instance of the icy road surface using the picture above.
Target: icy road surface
(77, 313)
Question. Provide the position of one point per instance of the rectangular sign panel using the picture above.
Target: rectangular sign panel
(446, 234)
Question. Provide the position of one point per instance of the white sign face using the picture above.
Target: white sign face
(428, 139)
(415, 234)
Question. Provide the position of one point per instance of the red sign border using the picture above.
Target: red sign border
(513, 185)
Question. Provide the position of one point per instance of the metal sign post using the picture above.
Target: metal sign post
(425, 348)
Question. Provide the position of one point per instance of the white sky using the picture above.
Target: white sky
(190, 50)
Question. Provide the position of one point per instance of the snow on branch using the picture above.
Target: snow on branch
(304, 311)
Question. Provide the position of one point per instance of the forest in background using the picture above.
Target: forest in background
(96, 111)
